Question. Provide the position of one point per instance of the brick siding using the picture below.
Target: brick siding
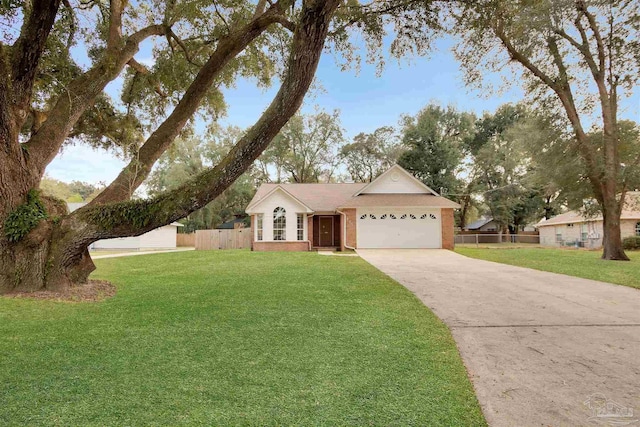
(281, 246)
(447, 228)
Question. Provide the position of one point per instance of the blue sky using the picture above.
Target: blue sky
(365, 101)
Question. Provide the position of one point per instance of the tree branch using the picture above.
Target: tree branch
(72, 25)
(552, 45)
(289, 25)
(141, 69)
(224, 21)
(8, 128)
(116, 8)
(260, 8)
(81, 94)
(308, 42)
(139, 168)
(583, 48)
(172, 36)
(27, 52)
(521, 58)
(582, 8)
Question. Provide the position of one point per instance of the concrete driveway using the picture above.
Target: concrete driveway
(541, 349)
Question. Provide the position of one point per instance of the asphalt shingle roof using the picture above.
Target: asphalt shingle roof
(630, 211)
(329, 197)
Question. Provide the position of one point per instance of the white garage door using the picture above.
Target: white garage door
(399, 228)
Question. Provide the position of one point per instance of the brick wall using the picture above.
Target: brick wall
(281, 246)
(447, 228)
(351, 229)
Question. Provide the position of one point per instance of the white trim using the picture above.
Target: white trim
(261, 228)
(407, 173)
(251, 208)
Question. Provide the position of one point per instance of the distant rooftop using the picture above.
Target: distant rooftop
(479, 223)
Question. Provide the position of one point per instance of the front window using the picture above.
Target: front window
(583, 232)
(638, 229)
(300, 226)
(279, 224)
(558, 238)
(259, 227)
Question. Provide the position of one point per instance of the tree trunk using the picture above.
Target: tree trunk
(612, 239)
(52, 256)
(50, 265)
(465, 202)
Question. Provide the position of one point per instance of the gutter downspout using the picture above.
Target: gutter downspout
(344, 230)
(308, 239)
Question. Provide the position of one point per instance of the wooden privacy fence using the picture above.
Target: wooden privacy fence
(186, 239)
(239, 238)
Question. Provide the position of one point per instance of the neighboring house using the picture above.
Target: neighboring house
(483, 224)
(395, 210)
(160, 238)
(238, 222)
(490, 226)
(573, 229)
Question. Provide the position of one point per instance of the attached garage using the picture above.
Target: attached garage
(399, 228)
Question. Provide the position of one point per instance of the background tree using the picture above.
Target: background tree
(578, 57)
(47, 100)
(434, 141)
(191, 156)
(370, 154)
(306, 149)
(469, 197)
(75, 191)
(501, 167)
(561, 173)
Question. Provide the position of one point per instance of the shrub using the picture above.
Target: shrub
(631, 243)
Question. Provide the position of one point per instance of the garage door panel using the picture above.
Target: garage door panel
(399, 228)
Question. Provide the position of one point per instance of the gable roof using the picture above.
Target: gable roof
(230, 225)
(397, 169)
(479, 223)
(261, 196)
(631, 211)
(318, 197)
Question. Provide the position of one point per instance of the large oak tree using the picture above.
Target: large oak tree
(49, 98)
(579, 57)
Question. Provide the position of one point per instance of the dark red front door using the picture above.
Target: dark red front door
(326, 231)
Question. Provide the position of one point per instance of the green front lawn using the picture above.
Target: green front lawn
(233, 338)
(579, 263)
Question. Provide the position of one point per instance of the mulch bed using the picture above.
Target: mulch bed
(94, 291)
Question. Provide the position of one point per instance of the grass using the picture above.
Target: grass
(233, 338)
(100, 252)
(579, 263)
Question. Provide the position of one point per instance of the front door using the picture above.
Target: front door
(326, 231)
